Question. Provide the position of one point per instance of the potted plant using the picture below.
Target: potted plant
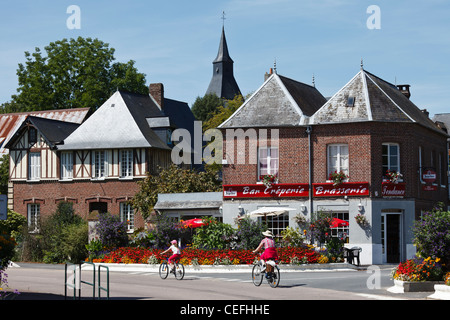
(393, 176)
(268, 179)
(337, 177)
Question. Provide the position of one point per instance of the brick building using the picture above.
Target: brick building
(289, 130)
(95, 164)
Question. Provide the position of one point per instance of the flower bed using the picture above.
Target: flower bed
(207, 257)
(416, 270)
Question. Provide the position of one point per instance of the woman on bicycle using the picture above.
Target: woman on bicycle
(270, 252)
(176, 253)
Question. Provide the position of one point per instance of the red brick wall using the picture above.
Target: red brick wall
(365, 155)
(110, 191)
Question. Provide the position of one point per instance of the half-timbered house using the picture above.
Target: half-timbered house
(94, 165)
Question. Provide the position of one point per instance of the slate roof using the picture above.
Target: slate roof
(279, 102)
(374, 100)
(121, 122)
(53, 131)
(10, 122)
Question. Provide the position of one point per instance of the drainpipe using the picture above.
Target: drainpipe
(308, 132)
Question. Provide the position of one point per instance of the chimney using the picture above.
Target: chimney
(404, 88)
(267, 75)
(156, 90)
(425, 112)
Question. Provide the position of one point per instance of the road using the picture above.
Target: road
(48, 281)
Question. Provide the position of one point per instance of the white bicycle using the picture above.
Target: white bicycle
(270, 271)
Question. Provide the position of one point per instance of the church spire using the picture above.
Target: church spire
(223, 83)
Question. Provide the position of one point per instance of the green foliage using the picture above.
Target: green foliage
(214, 235)
(292, 237)
(222, 113)
(62, 237)
(4, 174)
(74, 73)
(432, 235)
(204, 108)
(172, 180)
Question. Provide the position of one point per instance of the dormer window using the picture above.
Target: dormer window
(350, 101)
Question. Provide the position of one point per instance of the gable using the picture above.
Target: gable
(271, 105)
(117, 124)
(336, 109)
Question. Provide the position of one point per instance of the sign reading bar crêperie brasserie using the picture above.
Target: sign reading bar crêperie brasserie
(261, 191)
(281, 190)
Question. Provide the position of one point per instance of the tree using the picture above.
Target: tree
(223, 113)
(172, 180)
(74, 73)
(205, 107)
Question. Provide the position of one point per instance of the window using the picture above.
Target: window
(126, 163)
(32, 136)
(341, 232)
(66, 160)
(34, 166)
(127, 215)
(350, 101)
(276, 224)
(390, 157)
(33, 215)
(99, 165)
(268, 161)
(337, 158)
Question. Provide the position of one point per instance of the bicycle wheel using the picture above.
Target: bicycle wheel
(257, 275)
(163, 270)
(274, 277)
(179, 271)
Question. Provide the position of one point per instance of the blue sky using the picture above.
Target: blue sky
(175, 41)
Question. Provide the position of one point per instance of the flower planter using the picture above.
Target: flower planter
(413, 286)
(441, 291)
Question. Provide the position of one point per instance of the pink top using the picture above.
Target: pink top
(268, 243)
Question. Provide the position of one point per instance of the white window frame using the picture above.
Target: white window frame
(34, 166)
(127, 215)
(342, 158)
(271, 160)
(66, 164)
(390, 166)
(33, 216)
(99, 164)
(126, 163)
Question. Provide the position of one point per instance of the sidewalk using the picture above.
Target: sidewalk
(135, 267)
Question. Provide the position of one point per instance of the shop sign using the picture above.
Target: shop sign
(429, 187)
(429, 176)
(279, 190)
(393, 189)
(343, 189)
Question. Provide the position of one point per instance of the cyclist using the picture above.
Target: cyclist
(176, 254)
(270, 252)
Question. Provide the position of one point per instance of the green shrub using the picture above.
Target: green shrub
(213, 235)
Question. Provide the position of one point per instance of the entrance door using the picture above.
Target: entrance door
(390, 237)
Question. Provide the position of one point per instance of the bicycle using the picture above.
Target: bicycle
(271, 273)
(178, 270)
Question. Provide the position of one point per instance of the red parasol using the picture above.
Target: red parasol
(335, 223)
(192, 223)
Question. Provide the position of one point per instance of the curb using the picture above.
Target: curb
(138, 267)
